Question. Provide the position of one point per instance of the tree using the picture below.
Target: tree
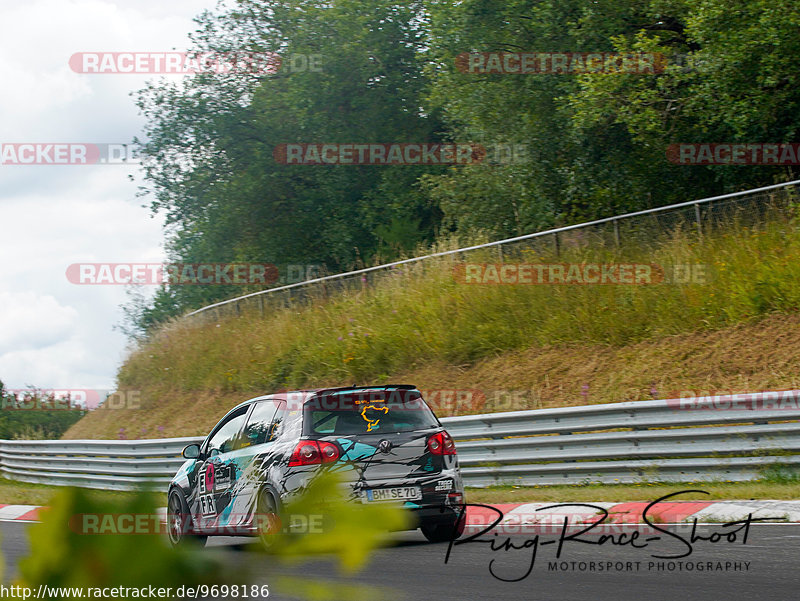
(209, 157)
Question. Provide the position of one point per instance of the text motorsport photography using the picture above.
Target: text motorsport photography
(513, 549)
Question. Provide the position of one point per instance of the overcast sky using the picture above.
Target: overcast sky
(55, 334)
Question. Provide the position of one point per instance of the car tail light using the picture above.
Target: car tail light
(305, 453)
(455, 498)
(328, 451)
(441, 444)
(312, 452)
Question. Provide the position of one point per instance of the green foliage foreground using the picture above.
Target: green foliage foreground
(63, 555)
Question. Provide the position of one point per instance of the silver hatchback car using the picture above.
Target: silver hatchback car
(383, 441)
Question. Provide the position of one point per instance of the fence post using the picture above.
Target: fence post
(697, 218)
(558, 244)
(616, 232)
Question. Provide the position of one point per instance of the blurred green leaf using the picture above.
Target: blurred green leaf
(62, 555)
(350, 531)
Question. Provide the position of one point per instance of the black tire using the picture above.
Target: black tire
(438, 531)
(268, 519)
(179, 522)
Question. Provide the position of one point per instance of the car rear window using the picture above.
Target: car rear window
(373, 412)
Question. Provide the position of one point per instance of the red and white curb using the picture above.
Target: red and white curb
(31, 513)
(19, 513)
(533, 518)
(522, 518)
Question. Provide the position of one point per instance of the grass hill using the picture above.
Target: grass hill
(734, 326)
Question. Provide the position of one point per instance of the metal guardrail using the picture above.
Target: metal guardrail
(698, 213)
(107, 464)
(701, 439)
(680, 440)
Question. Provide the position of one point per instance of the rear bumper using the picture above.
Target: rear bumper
(442, 497)
(442, 513)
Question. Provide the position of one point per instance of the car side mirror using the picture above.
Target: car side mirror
(191, 451)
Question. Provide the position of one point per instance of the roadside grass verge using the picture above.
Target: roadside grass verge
(24, 493)
(646, 491)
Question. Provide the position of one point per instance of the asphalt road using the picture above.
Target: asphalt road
(414, 569)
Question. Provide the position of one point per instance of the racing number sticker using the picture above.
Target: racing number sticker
(206, 498)
(207, 505)
(208, 478)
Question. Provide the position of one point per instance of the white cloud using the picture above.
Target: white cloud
(54, 334)
(41, 310)
(29, 320)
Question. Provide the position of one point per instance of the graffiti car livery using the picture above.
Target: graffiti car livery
(385, 443)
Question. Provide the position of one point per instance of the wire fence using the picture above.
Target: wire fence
(640, 229)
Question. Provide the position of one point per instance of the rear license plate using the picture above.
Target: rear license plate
(399, 493)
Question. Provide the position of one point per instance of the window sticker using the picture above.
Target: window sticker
(369, 405)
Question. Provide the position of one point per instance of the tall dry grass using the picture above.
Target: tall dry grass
(421, 313)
